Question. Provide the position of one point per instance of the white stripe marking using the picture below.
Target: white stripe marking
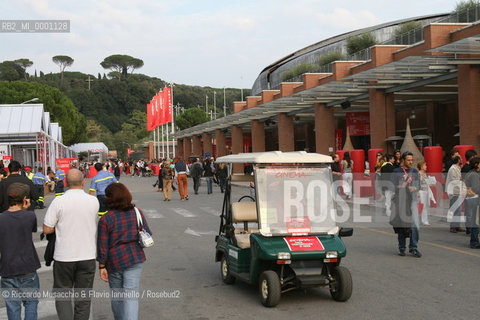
(184, 213)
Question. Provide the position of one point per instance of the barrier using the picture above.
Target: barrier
(462, 149)
(434, 159)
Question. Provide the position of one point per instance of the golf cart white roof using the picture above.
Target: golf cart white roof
(275, 157)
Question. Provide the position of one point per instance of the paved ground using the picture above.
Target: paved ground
(443, 284)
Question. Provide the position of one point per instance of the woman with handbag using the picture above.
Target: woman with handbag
(119, 253)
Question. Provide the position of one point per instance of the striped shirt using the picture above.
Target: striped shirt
(101, 181)
(39, 179)
(60, 175)
(117, 241)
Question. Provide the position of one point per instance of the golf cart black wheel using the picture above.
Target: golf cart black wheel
(270, 289)
(341, 288)
(225, 271)
(246, 197)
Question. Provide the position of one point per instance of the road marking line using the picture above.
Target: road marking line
(211, 211)
(152, 213)
(427, 243)
(184, 212)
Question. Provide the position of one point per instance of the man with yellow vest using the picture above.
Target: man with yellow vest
(29, 173)
(99, 183)
(39, 181)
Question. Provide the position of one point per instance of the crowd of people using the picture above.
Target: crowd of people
(405, 190)
(107, 226)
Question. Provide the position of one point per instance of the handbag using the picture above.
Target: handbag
(144, 238)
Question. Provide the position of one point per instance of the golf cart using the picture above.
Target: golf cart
(286, 238)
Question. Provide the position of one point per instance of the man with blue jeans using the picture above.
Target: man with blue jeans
(405, 218)
(19, 260)
(209, 171)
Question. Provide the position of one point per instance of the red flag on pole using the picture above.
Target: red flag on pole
(168, 104)
(150, 117)
(160, 113)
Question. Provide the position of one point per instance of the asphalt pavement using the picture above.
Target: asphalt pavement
(181, 280)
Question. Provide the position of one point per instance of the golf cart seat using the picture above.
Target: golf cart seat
(244, 212)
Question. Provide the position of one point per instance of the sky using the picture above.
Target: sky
(197, 42)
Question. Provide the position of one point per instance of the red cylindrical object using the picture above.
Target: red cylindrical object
(433, 158)
(462, 149)
(358, 157)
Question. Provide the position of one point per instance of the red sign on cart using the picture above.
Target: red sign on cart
(304, 244)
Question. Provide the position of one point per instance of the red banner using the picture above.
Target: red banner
(338, 139)
(304, 244)
(167, 92)
(358, 123)
(129, 152)
(159, 109)
(150, 117)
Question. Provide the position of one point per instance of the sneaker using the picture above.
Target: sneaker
(401, 252)
(415, 253)
(186, 197)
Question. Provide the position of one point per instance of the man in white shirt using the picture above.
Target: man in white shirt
(455, 189)
(73, 218)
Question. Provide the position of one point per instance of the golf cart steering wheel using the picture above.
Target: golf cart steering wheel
(244, 197)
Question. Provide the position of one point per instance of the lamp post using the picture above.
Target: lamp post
(31, 100)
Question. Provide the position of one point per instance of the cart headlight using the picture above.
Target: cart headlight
(331, 254)
(283, 255)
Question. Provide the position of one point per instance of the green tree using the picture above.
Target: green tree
(60, 107)
(360, 42)
(121, 63)
(330, 57)
(62, 62)
(24, 64)
(468, 10)
(191, 117)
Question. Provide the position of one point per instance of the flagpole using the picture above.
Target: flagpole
(173, 122)
(163, 145)
(154, 149)
(168, 150)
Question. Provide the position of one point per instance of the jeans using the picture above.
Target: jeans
(69, 275)
(128, 278)
(457, 211)
(402, 243)
(347, 183)
(471, 206)
(25, 283)
(209, 184)
(223, 184)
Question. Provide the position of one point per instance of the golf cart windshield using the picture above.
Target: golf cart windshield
(295, 200)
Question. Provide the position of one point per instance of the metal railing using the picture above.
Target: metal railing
(409, 38)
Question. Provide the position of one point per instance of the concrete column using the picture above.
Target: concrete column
(187, 148)
(197, 145)
(382, 118)
(324, 128)
(469, 105)
(180, 148)
(207, 143)
(237, 146)
(258, 136)
(286, 136)
(221, 143)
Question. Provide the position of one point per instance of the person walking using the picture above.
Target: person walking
(119, 254)
(39, 181)
(454, 187)
(347, 165)
(14, 167)
(59, 178)
(73, 218)
(196, 172)
(99, 183)
(167, 174)
(117, 171)
(424, 192)
(472, 200)
(222, 175)
(181, 171)
(209, 171)
(405, 217)
(19, 260)
(387, 187)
